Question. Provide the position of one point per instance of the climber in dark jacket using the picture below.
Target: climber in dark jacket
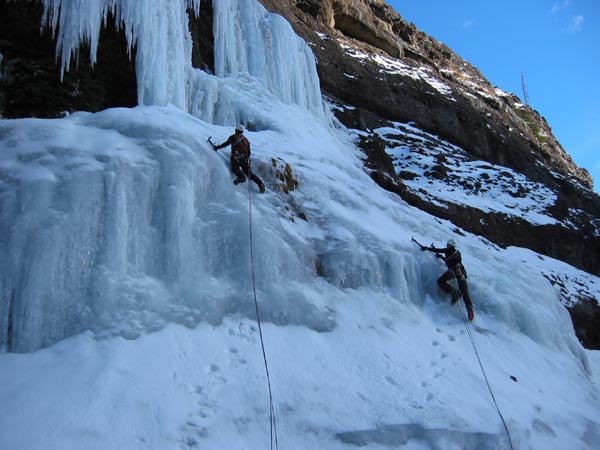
(240, 157)
(453, 260)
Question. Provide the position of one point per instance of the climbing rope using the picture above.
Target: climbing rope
(468, 328)
(262, 343)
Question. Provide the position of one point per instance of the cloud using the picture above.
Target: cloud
(469, 24)
(560, 5)
(575, 23)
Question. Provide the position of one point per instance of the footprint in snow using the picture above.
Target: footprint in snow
(235, 358)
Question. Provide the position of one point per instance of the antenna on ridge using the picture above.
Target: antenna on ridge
(525, 95)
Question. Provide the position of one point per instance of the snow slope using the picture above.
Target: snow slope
(126, 224)
(126, 296)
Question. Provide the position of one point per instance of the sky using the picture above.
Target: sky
(553, 43)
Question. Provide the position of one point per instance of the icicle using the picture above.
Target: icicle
(157, 28)
(257, 49)
(250, 40)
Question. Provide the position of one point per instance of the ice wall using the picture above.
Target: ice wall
(117, 232)
(125, 220)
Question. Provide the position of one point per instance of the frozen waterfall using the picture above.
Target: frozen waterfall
(116, 228)
(250, 43)
(158, 29)
(124, 220)
(250, 40)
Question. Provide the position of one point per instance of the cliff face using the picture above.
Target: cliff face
(387, 71)
(427, 120)
(490, 124)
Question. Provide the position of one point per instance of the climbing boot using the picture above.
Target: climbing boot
(261, 187)
(471, 314)
(239, 180)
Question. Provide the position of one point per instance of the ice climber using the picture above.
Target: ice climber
(240, 157)
(453, 260)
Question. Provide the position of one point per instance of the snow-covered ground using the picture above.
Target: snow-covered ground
(126, 296)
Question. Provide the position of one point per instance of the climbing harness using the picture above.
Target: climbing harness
(484, 375)
(262, 343)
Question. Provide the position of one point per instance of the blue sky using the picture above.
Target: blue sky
(554, 43)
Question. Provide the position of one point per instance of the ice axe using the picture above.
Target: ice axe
(209, 140)
(421, 246)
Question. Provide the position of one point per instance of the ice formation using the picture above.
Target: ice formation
(250, 43)
(98, 251)
(250, 40)
(121, 226)
(158, 29)
(126, 220)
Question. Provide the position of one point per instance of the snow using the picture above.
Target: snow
(395, 66)
(474, 183)
(571, 283)
(125, 279)
(136, 234)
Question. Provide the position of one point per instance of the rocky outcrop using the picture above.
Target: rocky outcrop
(467, 111)
(201, 29)
(491, 126)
